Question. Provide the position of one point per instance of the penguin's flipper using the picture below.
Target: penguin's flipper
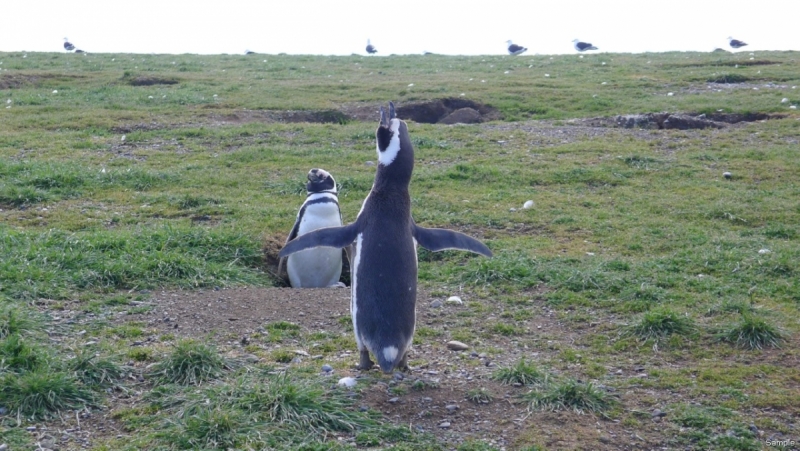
(338, 237)
(292, 235)
(442, 239)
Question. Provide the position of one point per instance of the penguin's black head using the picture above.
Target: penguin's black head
(320, 181)
(394, 144)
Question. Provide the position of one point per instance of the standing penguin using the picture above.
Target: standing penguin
(316, 268)
(384, 242)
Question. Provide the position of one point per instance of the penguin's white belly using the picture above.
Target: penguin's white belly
(321, 266)
(315, 268)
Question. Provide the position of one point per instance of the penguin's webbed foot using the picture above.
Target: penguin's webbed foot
(365, 364)
(403, 364)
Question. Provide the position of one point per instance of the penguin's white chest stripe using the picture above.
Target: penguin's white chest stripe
(325, 214)
(354, 289)
(387, 156)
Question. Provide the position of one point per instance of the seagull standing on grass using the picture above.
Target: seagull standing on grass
(68, 45)
(371, 48)
(735, 43)
(583, 46)
(514, 49)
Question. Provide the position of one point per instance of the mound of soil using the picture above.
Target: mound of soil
(678, 121)
(150, 81)
(462, 116)
(439, 111)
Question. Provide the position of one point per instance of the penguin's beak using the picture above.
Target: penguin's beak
(384, 121)
(392, 115)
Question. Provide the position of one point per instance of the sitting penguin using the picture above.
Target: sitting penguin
(319, 267)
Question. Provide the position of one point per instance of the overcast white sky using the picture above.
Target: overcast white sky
(466, 27)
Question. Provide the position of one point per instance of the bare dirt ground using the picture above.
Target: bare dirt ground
(230, 317)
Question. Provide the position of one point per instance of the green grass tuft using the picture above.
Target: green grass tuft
(569, 395)
(212, 428)
(521, 373)
(190, 363)
(15, 321)
(17, 355)
(479, 395)
(661, 323)
(42, 393)
(300, 404)
(94, 371)
(753, 332)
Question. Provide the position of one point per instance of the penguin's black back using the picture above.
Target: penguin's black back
(386, 278)
(386, 281)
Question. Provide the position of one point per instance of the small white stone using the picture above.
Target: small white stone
(604, 83)
(590, 254)
(55, 91)
(792, 107)
(410, 85)
(507, 72)
(123, 138)
(454, 300)
(457, 346)
(604, 63)
(670, 94)
(546, 75)
(764, 251)
(347, 382)
(784, 100)
(149, 97)
(512, 209)
(527, 204)
(302, 353)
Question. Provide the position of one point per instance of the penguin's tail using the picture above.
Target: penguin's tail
(389, 358)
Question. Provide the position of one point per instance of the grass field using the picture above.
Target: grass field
(644, 301)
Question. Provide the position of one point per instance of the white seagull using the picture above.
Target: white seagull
(514, 49)
(583, 46)
(735, 43)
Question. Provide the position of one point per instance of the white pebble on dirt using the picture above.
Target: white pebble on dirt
(457, 346)
(347, 382)
(454, 300)
(764, 251)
